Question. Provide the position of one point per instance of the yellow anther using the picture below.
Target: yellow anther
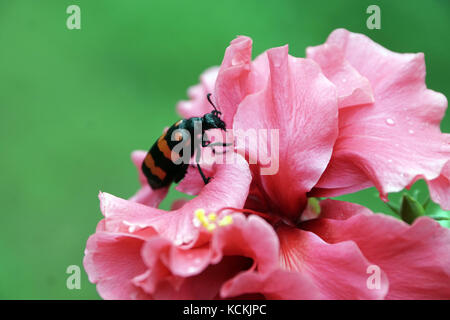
(200, 215)
(199, 212)
(208, 221)
(225, 221)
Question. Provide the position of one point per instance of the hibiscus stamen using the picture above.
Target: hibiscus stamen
(268, 217)
(200, 215)
(210, 227)
(227, 220)
(207, 221)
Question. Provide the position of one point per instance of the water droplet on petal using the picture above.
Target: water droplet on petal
(192, 269)
(411, 131)
(390, 160)
(390, 121)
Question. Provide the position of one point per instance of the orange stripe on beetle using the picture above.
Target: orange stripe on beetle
(157, 171)
(164, 147)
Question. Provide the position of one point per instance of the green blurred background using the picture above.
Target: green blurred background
(75, 103)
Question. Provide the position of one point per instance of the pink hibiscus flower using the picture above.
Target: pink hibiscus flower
(140, 252)
(277, 243)
(387, 134)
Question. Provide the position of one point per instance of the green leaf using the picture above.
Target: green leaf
(395, 208)
(437, 213)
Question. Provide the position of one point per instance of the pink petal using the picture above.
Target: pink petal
(440, 188)
(199, 272)
(352, 88)
(416, 258)
(203, 286)
(251, 237)
(232, 82)
(340, 210)
(192, 182)
(146, 195)
(175, 272)
(276, 285)
(112, 261)
(337, 191)
(338, 270)
(228, 188)
(177, 204)
(300, 102)
(257, 240)
(395, 140)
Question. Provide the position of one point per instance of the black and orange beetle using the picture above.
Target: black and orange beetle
(160, 165)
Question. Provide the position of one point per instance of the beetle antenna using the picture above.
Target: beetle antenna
(208, 96)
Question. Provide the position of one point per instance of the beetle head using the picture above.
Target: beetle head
(212, 120)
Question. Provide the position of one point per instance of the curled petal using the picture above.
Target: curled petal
(263, 247)
(397, 139)
(415, 258)
(228, 188)
(352, 88)
(275, 285)
(232, 81)
(440, 188)
(168, 268)
(338, 270)
(247, 246)
(112, 261)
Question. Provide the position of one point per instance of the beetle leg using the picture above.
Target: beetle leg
(205, 179)
(205, 140)
(221, 144)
